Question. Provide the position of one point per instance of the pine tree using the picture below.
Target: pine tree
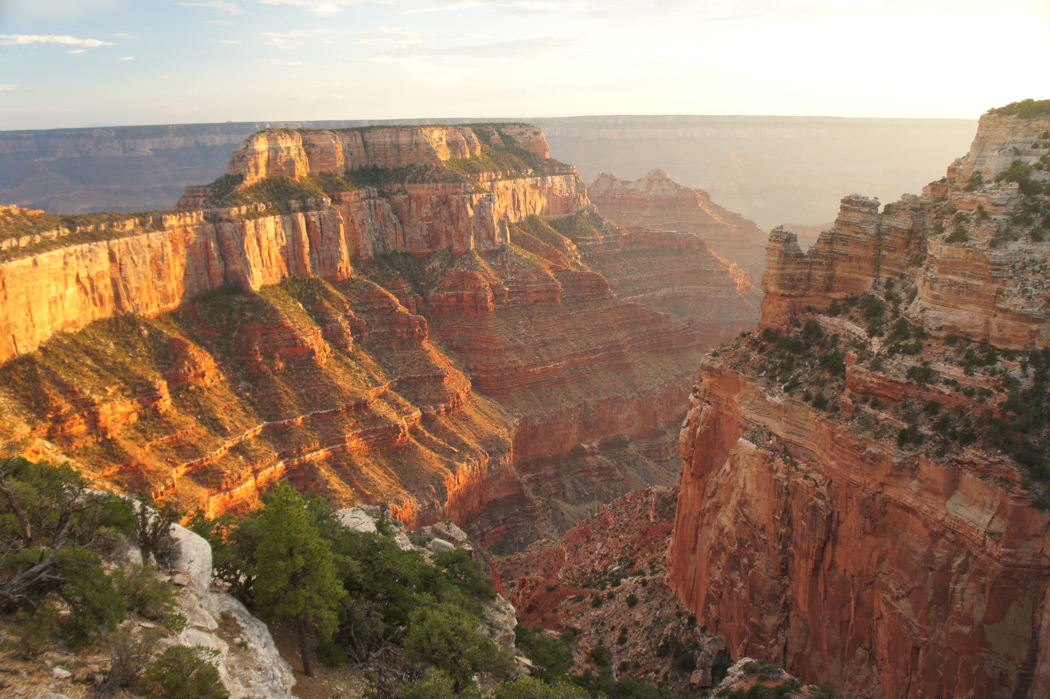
(297, 580)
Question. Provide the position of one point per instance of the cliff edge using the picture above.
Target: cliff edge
(864, 496)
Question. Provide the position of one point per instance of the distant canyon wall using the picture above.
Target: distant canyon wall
(773, 170)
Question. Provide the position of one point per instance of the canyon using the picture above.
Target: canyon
(429, 317)
(657, 202)
(863, 499)
(772, 170)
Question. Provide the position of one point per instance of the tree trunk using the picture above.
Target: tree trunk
(302, 648)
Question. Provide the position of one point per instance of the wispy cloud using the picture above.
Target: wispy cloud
(282, 62)
(74, 52)
(225, 41)
(126, 58)
(23, 39)
(299, 37)
(230, 8)
(391, 36)
(7, 88)
(317, 7)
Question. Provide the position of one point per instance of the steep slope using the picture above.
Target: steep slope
(864, 496)
(656, 202)
(378, 314)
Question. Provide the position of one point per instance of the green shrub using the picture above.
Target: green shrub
(600, 656)
(185, 672)
(442, 636)
(144, 593)
(1025, 109)
(435, 684)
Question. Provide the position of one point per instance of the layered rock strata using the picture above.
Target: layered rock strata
(132, 268)
(616, 557)
(863, 496)
(971, 245)
(656, 202)
(428, 340)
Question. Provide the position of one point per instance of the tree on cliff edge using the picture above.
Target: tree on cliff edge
(298, 580)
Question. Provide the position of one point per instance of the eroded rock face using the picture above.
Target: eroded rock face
(493, 375)
(966, 245)
(847, 510)
(656, 202)
(849, 562)
(151, 269)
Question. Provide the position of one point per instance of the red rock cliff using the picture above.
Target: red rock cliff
(656, 202)
(544, 395)
(129, 267)
(863, 498)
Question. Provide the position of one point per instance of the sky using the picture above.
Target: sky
(77, 63)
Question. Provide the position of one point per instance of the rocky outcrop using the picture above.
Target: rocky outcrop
(248, 662)
(655, 202)
(130, 268)
(849, 562)
(973, 248)
(616, 557)
(855, 504)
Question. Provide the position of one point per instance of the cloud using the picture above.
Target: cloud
(126, 58)
(282, 62)
(299, 37)
(392, 36)
(7, 88)
(230, 8)
(76, 51)
(23, 39)
(225, 41)
(317, 7)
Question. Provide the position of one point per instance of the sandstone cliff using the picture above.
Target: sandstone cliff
(864, 491)
(655, 202)
(377, 314)
(972, 245)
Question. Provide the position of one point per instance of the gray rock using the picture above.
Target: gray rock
(267, 674)
(357, 520)
(60, 673)
(441, 545)
(192, 564)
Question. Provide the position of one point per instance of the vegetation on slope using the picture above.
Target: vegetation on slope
(1025, 109)
(967, 393)
(65, 581)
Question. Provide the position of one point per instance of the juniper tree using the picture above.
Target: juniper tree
(297, 574)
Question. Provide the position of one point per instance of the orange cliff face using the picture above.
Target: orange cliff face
(655, 202)
(94, 271)
(863, 497)
(426, 340)
(966, 245)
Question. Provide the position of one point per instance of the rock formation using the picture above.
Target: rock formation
(863, 499)
(617, 558)
(384, 315)
(655, 202)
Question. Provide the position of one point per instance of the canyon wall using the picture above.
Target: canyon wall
(655, 202)
(864, 493)
(147, 271)
(443, 341)
(773, 170)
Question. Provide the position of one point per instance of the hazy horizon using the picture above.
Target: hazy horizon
(102, 63)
